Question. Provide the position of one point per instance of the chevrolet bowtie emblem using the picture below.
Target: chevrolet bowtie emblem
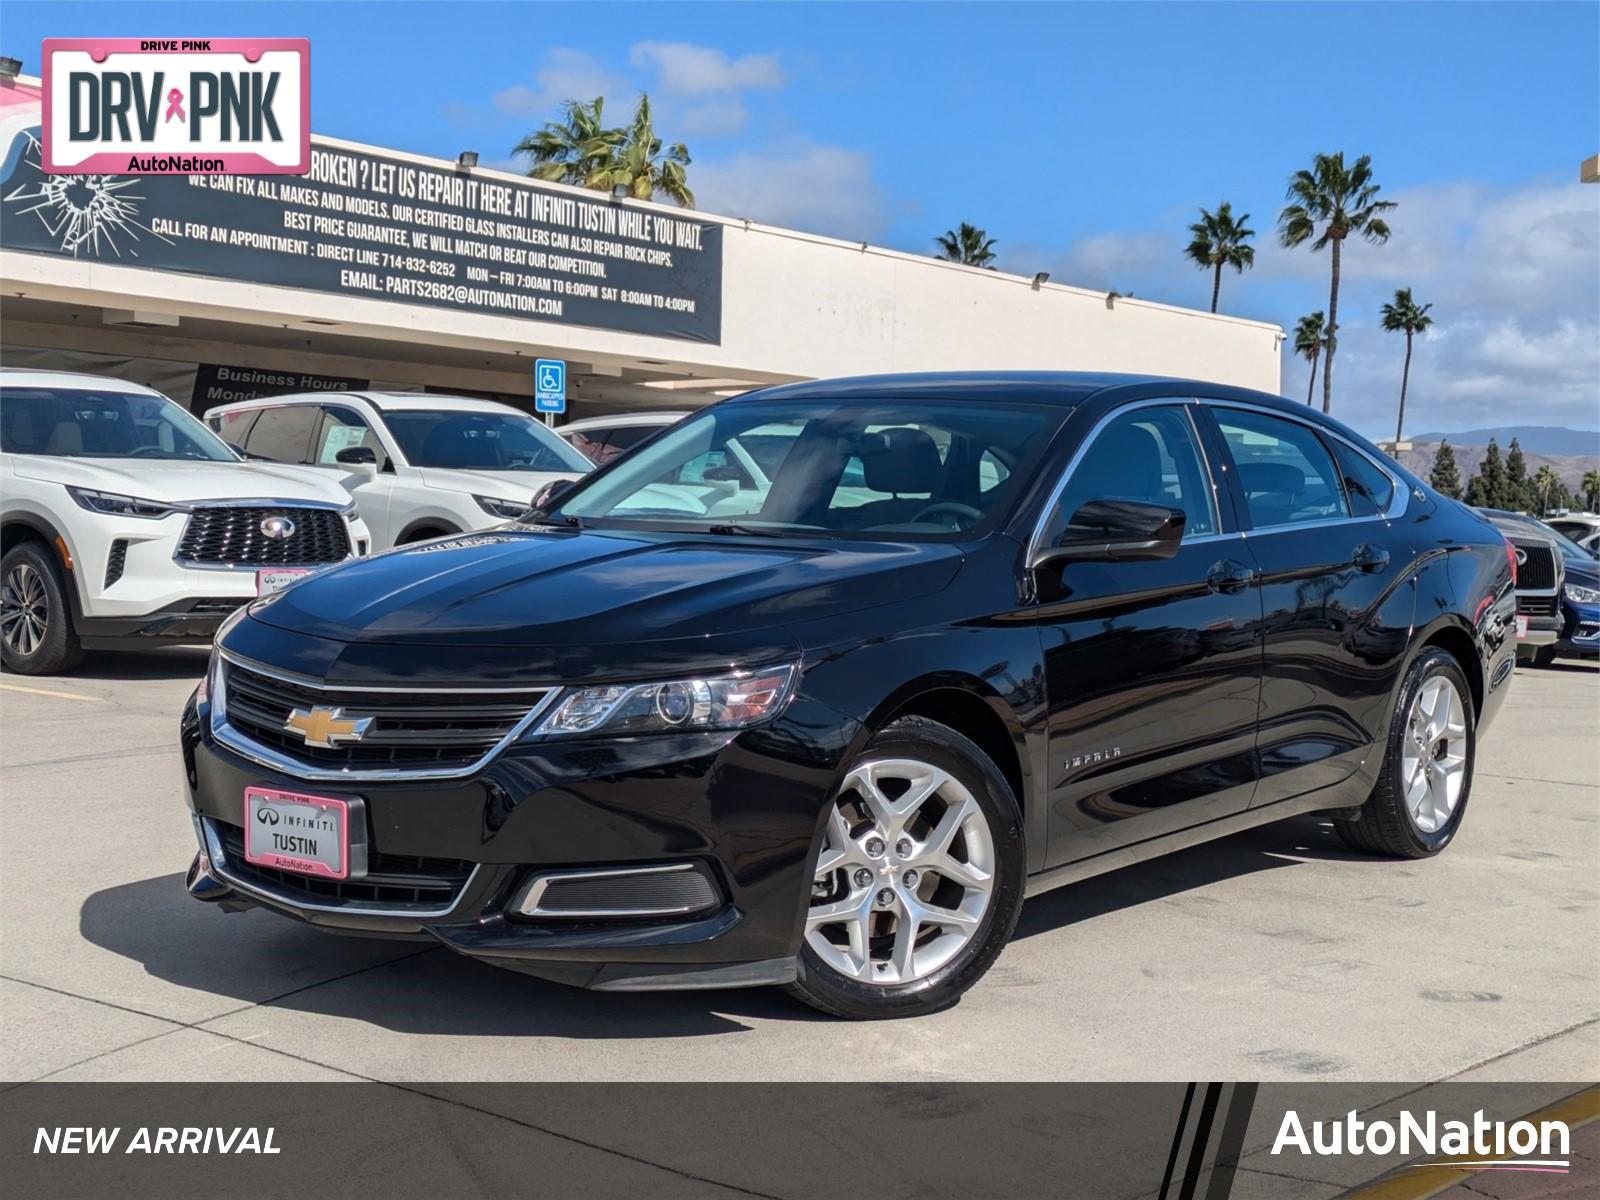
(327, 727)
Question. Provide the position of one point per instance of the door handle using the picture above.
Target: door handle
(1370, 558)
(1229, 576)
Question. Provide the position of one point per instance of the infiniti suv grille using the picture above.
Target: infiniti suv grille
(418, 731)
(1536, 570)
(237, 536)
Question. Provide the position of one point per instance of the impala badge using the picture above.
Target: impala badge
(327, 727)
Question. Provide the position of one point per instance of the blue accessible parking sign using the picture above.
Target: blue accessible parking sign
(549, 385)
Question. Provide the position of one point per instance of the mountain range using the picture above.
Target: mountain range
(1534, 439)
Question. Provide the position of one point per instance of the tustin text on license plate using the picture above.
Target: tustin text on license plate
(296, 832)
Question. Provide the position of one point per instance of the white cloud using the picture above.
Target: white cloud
(801, 185)
(565, 74)
(684, 69)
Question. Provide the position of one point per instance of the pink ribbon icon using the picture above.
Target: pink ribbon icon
(175, 106)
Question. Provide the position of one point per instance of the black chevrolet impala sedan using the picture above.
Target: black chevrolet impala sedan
(814, 687)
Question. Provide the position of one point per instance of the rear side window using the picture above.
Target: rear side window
(1286, 472)
(284, 434)
(343, 428)
(1369, 490)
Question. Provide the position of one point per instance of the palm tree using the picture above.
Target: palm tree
(1308, 343)
(1544, 479)
(574, 149)
(1342, 200)
(645, 166)
(969, 245)
(1403, 316)
(1220, 241)
(1591, 490)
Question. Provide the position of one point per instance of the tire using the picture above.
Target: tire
(423, 534)
(36, 632)
(878, 961)
(1398, 820)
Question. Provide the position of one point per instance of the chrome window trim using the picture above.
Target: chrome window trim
(525, 902)
(217, 857)
(1397, 503)
(247, 747)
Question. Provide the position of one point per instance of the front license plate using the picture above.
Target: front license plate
(268, 582)
(295, 832)
(1522, 627)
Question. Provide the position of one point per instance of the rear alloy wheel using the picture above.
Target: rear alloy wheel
(917, 881)
(1420, 797)
(36, 635)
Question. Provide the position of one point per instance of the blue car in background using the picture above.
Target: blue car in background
(1580, 590)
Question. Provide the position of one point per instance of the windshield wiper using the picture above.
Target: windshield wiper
(555, 522)
(741, 531)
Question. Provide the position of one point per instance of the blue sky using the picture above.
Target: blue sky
(1082, 136)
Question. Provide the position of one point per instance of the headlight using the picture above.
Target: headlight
(1579, 594)
(506, 510)
(719, 702)
(122, 506)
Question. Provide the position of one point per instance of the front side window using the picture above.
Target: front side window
(80, 423)
(1147, 455)
(1287, 474)
(283, 435)
(481, 441)
(880, 469)
(342, 429)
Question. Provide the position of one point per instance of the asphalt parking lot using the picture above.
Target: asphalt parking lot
(1271, 955)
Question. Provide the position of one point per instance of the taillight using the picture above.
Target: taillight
(1511, 561)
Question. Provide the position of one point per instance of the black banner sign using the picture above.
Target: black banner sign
(216, 383)
(370, 226)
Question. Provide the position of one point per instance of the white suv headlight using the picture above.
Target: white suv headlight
(717, 702)
(506, 510)
(1579, 594)
(122, 506)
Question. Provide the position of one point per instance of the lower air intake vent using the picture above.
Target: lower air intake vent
(674, 889)
(116, 561)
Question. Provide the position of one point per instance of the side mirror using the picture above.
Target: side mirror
(551, 493)
(1118, 531)
(362, 460)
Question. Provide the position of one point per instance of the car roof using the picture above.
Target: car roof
(620, 420)
(383, 401)
(80, 380)
(1065, 388)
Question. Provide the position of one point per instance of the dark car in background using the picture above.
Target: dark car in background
(974, 637)
(1577, 623)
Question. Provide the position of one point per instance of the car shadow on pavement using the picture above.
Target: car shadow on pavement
(165, 662)
(1266, 848)
(408, 987)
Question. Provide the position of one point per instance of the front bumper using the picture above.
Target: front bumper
(1581, 631)
(1543, 630)
(744, 808)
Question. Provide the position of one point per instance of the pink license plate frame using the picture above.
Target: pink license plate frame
(257, 831)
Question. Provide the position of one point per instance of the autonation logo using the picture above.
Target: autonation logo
(1479, 1144)
(163, 106)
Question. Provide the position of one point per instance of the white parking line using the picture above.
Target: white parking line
(36, 691)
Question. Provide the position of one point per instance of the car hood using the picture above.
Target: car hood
(177, 481)
(1584, 574)
(560, 588)
(503, 485)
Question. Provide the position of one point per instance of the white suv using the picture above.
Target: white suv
(126, 521)
(418, 465)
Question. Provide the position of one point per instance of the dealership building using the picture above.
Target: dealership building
(391, 270)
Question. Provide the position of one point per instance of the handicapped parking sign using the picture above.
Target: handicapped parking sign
(549, 385)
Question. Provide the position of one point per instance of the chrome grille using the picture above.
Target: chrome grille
(412, 732)
(228, 535)
(1536, 566)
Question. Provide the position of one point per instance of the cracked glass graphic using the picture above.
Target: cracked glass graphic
(88, 214)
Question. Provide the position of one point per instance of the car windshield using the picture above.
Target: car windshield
(894, 470)
(83, 423)
(481, 441)
(1570, 550)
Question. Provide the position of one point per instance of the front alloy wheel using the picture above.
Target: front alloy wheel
(36, 633)
(917, 880)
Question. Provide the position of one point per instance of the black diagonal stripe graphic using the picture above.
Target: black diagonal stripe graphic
(1231, 1144)
(1177, 1140)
